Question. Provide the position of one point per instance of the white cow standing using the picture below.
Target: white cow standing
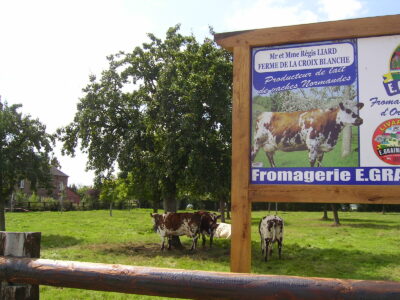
(271, 231)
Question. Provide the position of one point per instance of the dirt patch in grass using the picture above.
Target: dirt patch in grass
(219, 251)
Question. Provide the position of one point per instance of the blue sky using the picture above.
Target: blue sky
(49, 48)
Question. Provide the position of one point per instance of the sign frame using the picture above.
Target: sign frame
(243, 194)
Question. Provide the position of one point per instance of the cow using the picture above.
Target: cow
(223, 231)
(271, 231)
(208, 225)
(315, 130)
(176, 224)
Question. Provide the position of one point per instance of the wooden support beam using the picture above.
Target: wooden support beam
(241, 206)
(19, 244)
(368, 194)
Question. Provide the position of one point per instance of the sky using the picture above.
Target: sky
(49, 48)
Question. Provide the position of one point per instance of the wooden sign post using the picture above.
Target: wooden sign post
(269, 61)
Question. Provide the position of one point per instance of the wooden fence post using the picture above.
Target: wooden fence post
(19, 244)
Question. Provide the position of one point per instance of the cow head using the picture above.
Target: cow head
(157, 221)
(213, 223)
(209, 222)
(348, 113)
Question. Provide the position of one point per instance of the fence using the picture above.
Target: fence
(66, 206)
(167, 282)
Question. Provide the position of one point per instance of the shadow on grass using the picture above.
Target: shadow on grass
(307, 261)
(220, 250)
(59, 241)
(297, 260)
(311, 261)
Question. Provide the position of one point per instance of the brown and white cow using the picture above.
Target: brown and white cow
(315, 130)
(271, 231)
(177, 224)
(208, 225)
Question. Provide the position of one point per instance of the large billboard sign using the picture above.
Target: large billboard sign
(326, 112)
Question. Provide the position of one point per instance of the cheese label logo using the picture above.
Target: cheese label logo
(386, 141)
(391, 80)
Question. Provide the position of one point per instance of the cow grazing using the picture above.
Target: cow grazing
(315, 130)
(271, 231)
(177, 224)
(208, 225)
(223, 231)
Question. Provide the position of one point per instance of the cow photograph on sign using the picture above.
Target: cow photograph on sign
(306, 112)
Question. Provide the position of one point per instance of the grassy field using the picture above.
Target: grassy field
(366, 246)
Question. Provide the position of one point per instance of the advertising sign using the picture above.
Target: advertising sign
(326, 113)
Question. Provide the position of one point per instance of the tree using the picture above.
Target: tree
(25, 150)
(162, 113)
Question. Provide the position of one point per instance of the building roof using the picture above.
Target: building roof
(56, 172)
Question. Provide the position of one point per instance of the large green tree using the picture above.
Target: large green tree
(25, 153)
(163, 114)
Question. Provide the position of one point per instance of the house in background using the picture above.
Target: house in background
(59, 184)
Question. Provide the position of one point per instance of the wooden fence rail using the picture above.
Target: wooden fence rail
(188, 283)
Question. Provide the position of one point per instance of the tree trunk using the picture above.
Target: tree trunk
(335, 214)
(347, 133)
(111, 204)
(222, 209)
(169, 202)
(383, 209)
(325, 216)
(346, 141)
(2, 214)
(12, 201)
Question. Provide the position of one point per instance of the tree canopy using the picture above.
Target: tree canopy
(162, 113)
(25, 152)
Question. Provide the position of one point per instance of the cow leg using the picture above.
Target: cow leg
(262, 246)
(203, 237)
(270, 156)
(312, 156)
(267, 245)
(169, 243)
(254, 150)
(211, 239)
(279, 247)
(194, 242)
(319, 159)
(162, 243)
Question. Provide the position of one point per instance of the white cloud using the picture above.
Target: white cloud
(270, 13)
(340, 9)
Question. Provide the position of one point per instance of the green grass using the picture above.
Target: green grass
(366, 246)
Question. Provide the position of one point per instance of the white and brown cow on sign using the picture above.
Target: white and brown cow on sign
(315, 130)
